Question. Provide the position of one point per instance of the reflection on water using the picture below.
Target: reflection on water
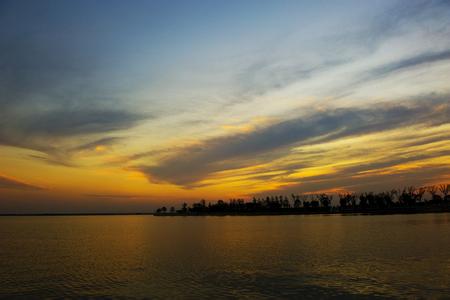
(190, 257)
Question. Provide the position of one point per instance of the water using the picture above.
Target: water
(225, 257)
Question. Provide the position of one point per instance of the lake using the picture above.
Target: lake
(226, 257)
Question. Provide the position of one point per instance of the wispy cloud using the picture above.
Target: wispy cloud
(194, 163)
(93, 145)
(54, 133)
(343, 62)
(406, 155)
(12, 183)
(401, 65)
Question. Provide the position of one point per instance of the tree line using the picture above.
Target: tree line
(396, 199)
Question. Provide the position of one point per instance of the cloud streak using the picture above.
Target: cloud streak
(418, 60)
(15, 184)
(54, 132)
(194, 163)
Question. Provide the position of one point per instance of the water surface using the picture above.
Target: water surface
(233, 256)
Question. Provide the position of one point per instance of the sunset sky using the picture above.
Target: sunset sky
(118, 106)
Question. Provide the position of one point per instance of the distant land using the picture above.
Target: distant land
(75, 214)
(409, 200)
(405, 201)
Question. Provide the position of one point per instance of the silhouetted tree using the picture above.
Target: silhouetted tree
(297, 201)
(407, 199)
(418, 194)
(363, 203)
(345, 199)
(433, 190)
(325, 200)
(314, 201)
(445, 190)
(407, 196)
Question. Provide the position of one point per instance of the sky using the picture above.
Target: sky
(124, 106)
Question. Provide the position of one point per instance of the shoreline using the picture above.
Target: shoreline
(72, 214)
(391, 211)
(287, 212)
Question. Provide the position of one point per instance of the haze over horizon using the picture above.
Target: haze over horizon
(114, 106)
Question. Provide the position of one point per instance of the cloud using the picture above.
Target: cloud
(57, 89)
(346, 181)
(11, 183)
(107, 141)
(276, 66)
(267, 75)
(55, 159)
(70, 123)
(194, 163)
(50, 132)
(418, 60)
(67, 123)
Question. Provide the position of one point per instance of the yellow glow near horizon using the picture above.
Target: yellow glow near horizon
(95, 176)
